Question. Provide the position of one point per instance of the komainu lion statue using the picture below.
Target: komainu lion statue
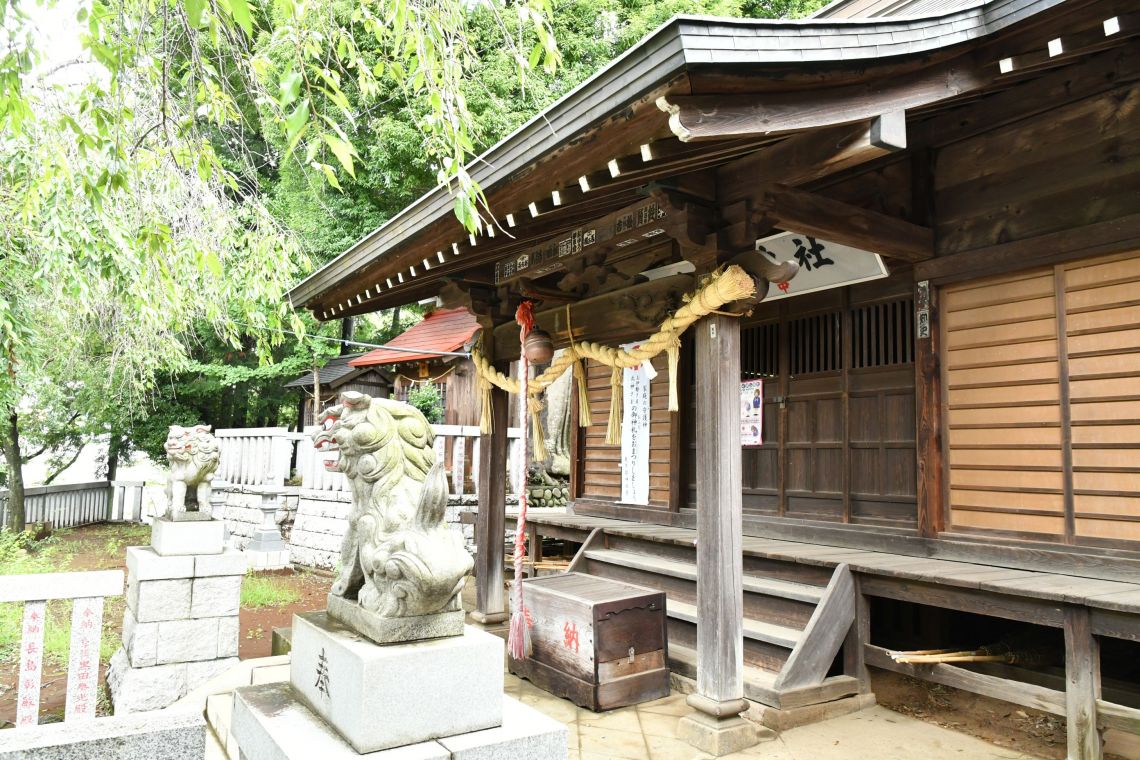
(193, 454)
(399, 557)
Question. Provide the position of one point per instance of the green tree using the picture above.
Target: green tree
(427, 399)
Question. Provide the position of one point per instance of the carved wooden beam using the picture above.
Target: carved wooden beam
(840, 222)
(714, 117)
(692, 222)
(812, 155)
(636, 310)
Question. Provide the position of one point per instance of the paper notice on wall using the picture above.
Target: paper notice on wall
(635, 433)
(751, 412)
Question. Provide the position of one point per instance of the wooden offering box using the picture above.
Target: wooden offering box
(600, 643)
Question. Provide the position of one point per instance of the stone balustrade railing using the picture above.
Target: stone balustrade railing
(456, 445)
(87, 590)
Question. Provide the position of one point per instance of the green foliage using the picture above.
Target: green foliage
(266, 591)
(427, 399)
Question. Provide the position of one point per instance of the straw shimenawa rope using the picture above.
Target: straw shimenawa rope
(720, 288)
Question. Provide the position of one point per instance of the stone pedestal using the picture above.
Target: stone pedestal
(180, 627)
(266, 549)
(270, 723)
(388, 630)
(379, 697)
(187, 534)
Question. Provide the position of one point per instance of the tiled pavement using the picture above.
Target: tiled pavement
(648, 732)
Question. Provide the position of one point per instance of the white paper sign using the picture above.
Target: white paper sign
(823, 265)
(635, 433)
(751, 412)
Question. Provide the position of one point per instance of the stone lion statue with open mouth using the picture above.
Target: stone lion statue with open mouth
(399, 557)
(193, 454)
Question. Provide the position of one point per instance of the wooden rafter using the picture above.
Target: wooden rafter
(839, 222)
(694, 118)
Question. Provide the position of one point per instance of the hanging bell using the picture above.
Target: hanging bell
(538, 347)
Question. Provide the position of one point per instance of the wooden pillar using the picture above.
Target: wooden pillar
(716, 727)
(1082, 686)
(928, 412)
(490, 605)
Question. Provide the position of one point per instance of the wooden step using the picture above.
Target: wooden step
(760, 684)
(757, 630)
(800, 592)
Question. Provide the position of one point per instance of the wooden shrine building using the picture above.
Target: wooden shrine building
(336, 377)
(926, 438)
(444, 334)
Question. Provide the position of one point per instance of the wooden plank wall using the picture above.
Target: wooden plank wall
(1071, 168)
(1102, 321)
(1042, 387)
(601, 464)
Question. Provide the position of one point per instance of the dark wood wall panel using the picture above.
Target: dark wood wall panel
(1037, 176)
(839, 414)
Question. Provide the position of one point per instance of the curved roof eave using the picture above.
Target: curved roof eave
(680, 43)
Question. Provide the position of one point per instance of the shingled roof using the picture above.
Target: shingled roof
(685, 43)
(335, 373)
(442, 330)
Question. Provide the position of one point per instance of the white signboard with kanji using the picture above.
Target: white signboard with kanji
(635, 432)
(823, 265)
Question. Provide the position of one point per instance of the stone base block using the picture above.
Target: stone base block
(379, 697)
(266, 560)
(139, 689)
(525, 733)
(135, 689)
(270, 723)
(186, 535)
(170, 736)
(281, 642)
(385, 630)
(718, 736)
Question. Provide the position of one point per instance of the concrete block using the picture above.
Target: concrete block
(145, 564)
(718, 736)
(378, 697)
(197, 673)
(215, 595)
(200, 535)
(170, 736)
(229, 629)
(160, 600)
(139, 689)
(270, 723)
(140, 640)
(525, 733)
(187, 640)
(391, 630)
(266, 560)
(282, 641)
(229, 562)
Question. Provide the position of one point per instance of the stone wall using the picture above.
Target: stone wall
(242, 512)
(322, 519)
